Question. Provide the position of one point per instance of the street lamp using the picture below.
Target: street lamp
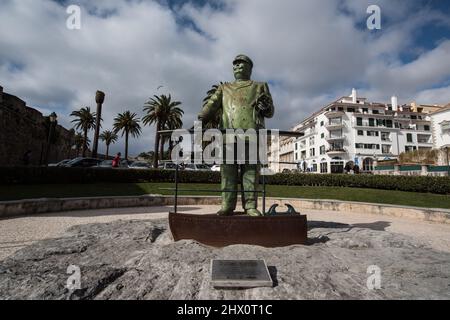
(99, 99)
(53, 117)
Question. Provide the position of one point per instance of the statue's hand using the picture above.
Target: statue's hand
(263, 103)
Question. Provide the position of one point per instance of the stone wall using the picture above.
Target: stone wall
(23, 128)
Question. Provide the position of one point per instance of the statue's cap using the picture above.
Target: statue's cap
(243, 57)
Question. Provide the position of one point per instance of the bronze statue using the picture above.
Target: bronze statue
(242, 104)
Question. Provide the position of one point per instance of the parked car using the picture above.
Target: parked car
(59, 164)
(105, 164)
(140, 165)
(168, 166)
(82, 163)
(197, 167)
(215, 167)
(125, 163)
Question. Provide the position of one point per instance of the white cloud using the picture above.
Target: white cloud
(310, 50)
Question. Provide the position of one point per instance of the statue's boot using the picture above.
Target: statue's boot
(225, 212)
(253, 212)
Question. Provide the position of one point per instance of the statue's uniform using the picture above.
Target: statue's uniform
(236, 102)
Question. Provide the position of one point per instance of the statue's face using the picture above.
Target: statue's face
(242, 70)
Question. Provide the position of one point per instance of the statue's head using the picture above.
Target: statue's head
(242, 67)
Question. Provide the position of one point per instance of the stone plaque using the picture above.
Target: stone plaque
(240, 274)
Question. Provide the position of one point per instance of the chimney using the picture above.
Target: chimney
(354, 95)
(1, 94)
(394, 103)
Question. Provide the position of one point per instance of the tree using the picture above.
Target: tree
(165, 114)
(212, 123)
(85, 120)
(79, 142)
(128, 123)
(108, 137)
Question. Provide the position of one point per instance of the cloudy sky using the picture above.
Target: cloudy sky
(310, 52)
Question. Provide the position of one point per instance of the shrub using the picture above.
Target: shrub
(43, 175)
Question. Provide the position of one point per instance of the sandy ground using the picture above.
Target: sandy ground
(17, 233)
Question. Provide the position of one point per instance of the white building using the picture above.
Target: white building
(352, 130)
(440, 124)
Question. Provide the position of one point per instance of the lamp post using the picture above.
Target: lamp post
(53, 117)
(99, 99)
(448, 163)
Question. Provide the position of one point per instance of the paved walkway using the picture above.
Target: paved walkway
(16, 233)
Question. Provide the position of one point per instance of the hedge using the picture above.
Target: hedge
(53, 175)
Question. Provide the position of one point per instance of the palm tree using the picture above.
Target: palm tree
(129, 124)
(212, 123)
(163, 112)
(79, 142)
(108, 137)
(85, 120)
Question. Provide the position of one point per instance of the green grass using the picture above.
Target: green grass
(426, 200)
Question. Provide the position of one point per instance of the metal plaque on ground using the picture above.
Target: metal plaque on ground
(240, 274)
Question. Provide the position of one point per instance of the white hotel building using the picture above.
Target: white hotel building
(353, 130)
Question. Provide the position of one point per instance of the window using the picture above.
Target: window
(381, 123)
(360, 132)
(359, 121)
(359, 146)
(389, 123)
(296, 146)
(373, 133)
(296, 156)
(322, 136)
(350, 109)
(426, 127)
(314, 167)
(410, 148)
(409, 137)
(385, 136)
(322, 150)
(368, 164)
(375, 111)
(303, 155)
(414, 117)
(311, 141)
(386, 148)
(341, 108)
(371, 122)
(324, 167)
(322, 123)
(312, 152)
(302, 144)
(365, 110)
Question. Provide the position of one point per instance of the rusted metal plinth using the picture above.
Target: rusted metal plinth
(219, 231)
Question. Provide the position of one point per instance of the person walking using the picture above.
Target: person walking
(116, 160)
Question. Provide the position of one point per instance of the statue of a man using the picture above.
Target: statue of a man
(242, 104)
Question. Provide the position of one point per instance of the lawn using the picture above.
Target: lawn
(426, 200)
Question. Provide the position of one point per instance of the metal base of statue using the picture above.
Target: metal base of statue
(221, 231)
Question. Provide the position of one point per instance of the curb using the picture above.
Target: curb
(48, 205)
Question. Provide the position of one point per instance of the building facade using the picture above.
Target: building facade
(354, 132)
(24, 129)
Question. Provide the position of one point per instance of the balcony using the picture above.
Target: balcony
(335, 138)
(335, 125)
(334, 114)
(425, 142)
(334, 151)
